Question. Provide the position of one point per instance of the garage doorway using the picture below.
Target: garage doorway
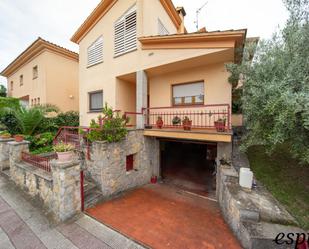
(189, 165)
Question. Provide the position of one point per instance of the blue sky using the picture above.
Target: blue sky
(22, 21)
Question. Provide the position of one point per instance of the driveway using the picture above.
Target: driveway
(25, 226)
(162, 216)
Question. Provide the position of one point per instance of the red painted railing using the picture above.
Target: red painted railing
(202, 116)
(42, 162)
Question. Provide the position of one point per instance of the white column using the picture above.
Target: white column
(141, 96)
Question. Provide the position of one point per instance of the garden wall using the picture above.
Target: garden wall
(58, 190)
(107, 164)
(4, 154)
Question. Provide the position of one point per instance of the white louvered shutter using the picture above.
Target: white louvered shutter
(125, 33)
(95, 52)
(161, 29)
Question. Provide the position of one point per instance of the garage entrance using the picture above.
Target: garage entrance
(189, 165)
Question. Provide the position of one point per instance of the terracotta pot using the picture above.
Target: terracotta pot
(65, 156)
(159, 124)
(154, 179)
(5, 136)
(220, 126)
(19, 138)
(187, 125)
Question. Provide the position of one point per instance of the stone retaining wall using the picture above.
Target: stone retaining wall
(58, 190)
(107, 166)
(4, 154)
(255, 217)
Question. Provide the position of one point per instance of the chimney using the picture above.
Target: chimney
(182, 13)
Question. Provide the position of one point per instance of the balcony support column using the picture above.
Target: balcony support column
(141, 97)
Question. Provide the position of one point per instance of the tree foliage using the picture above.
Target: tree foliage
(2, 91)
(275, 98)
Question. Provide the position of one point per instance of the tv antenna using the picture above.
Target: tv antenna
(197, 14)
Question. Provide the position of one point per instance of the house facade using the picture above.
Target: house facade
(137, 56)
(44, 73)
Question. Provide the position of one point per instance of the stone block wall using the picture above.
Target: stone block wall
(107, 166)
(58, 190)
(4, 154)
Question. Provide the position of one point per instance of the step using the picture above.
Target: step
(93, 199)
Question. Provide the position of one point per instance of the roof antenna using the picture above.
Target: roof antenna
(197, 14)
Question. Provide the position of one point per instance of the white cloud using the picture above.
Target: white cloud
(22, 21)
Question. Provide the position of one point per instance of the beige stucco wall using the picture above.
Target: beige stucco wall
(216, 86)
(57, 79)
(120, 94)
(152, 10)
(237, 120)
(62, 82)
(35, 88)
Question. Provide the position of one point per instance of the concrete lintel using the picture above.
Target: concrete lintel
(14, 143)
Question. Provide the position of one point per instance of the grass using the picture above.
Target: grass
(285, 178)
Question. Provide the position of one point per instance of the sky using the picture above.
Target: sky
(22, 21)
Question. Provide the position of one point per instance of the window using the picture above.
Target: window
(39, 101)
(31, 102)
(125, 33)
(34, 101)
(96, 101)
(188, 94)
(161, 29)
(12, 85)
(21, 80)
(130, 162)
(35, 72)
(95, 52)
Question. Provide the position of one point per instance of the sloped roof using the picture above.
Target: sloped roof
(34, 49)
(105, 5)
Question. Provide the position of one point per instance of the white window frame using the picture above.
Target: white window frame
(96, 51)
(125, 40)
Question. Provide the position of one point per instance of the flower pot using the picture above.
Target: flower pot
(65, 156)
(154, 179)
(220, 126)
(19, 138)
(159, 124)
(187, 125)
(5, 136)
(148, 126)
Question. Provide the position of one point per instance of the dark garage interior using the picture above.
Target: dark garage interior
(189, 165)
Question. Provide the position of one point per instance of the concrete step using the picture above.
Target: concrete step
(92, 194)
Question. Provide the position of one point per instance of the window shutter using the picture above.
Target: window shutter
(95, 52)
(125, 33)
(161, 29)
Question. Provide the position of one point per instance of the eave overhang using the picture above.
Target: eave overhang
(37, 47)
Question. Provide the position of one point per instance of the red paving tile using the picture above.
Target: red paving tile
(19, 233)
(162, 217)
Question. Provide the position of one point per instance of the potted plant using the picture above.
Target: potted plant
(187, 123)
(220, 124)
(153, 179)
(159, 122)
(64, 151)
(19, 138)
(5, 135)
(176, 120)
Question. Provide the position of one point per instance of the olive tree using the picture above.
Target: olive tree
(275, 94)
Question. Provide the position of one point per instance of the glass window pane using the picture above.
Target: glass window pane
(96, 101)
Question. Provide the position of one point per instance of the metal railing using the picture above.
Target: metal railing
(42, 162)
(215, 116)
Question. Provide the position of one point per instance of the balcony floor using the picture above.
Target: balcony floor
(193, 134)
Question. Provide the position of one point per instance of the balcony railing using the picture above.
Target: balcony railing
(216, 116)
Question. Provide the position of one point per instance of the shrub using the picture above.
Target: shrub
(113, 128)
(63, 147)
(70, 118)
(40, 140)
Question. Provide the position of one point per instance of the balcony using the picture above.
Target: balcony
(195, 122)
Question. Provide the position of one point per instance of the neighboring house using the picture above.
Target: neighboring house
(44, 73)
(137, 56)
